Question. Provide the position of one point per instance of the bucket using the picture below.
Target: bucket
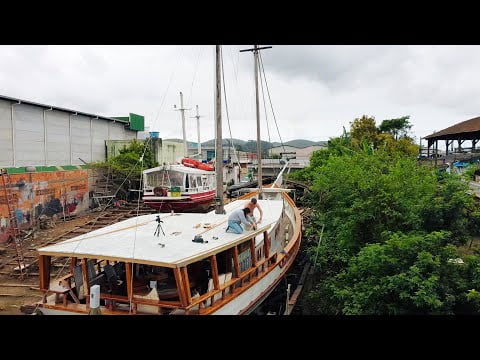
(154, 134)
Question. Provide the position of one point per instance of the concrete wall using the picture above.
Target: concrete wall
(35, 135)
(44, 193)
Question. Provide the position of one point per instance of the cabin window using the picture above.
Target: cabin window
(193, 181)
(199, 276)
(244, 256)
(176, 178)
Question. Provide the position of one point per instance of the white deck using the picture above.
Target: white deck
(134, 239)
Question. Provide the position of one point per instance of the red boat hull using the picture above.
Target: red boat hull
(197, 202)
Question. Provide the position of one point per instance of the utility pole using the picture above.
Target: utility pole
(198, 132)
(255, 51)
(218, 132)
(182, 109)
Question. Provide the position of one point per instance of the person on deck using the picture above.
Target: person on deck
(252, 205)
(237, 218)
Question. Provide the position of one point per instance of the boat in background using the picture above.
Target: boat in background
(186, 187)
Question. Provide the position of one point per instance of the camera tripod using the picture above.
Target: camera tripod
(159, 227)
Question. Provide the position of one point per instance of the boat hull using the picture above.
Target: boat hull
(196, 202)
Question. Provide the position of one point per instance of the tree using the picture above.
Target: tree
(363, 130)
(396, 127)
(408, 274)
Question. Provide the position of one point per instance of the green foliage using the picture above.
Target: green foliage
(396, 127)
(363, 130)
(392, 228)
(128, 159)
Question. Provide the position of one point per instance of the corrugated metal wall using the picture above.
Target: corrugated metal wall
(52, 137)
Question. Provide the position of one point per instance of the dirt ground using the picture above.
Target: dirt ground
(15, 292)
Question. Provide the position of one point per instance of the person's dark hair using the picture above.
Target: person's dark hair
(246, 211)
(253, 200)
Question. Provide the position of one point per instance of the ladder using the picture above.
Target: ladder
(15, 232)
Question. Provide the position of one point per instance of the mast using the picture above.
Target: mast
(255, 51)
(259, 142)
(182, 110)
(218, 132)
(198, 132)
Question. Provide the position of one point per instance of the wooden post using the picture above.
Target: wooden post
(428, 148)
(266, 244)
(180, 286)
(188, 297)
(73, 263)
(86, 280)
(129, 277)
(446, 147)
(213, 264)
(44, 271)
(236, 264)
(252, 252)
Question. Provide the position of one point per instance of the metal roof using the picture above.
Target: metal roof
(468, 126)
(61, 109)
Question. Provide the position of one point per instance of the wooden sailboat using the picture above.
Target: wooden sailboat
(178, 264)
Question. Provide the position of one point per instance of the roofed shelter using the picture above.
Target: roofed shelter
(465, 130)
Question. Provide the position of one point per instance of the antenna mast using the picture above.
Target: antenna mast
(182, 109)
(198, 132)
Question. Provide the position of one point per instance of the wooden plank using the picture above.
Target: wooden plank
(252, 252)
(186, 281)
(266, 244)
(86, 280)
(236, 263)
(15, 285)
(128, 273)
(44, 271)
(213, 264)
(180, 286)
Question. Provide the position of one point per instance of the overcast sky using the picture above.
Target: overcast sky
(315, 90)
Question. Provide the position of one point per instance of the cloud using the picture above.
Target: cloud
(315, 90)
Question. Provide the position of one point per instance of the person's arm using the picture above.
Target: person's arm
(261, 213)
(245, 220)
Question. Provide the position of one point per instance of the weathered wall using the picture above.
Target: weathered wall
(44, 193)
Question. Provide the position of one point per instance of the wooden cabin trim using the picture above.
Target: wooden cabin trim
(213, 265)
(86, 280)
(221, 248)
(73, 263)
(128, 279)
(266, 244)
(44, 271)
(186, 282)
(109, 258)
(252, 252)
(180, 287)
(236, 262)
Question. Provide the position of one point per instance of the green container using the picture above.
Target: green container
(175, 189)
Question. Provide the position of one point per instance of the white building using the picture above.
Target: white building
(287, 151)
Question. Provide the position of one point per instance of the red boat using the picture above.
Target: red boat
(189, 187)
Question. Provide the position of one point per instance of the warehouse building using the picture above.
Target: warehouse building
(33, 134)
